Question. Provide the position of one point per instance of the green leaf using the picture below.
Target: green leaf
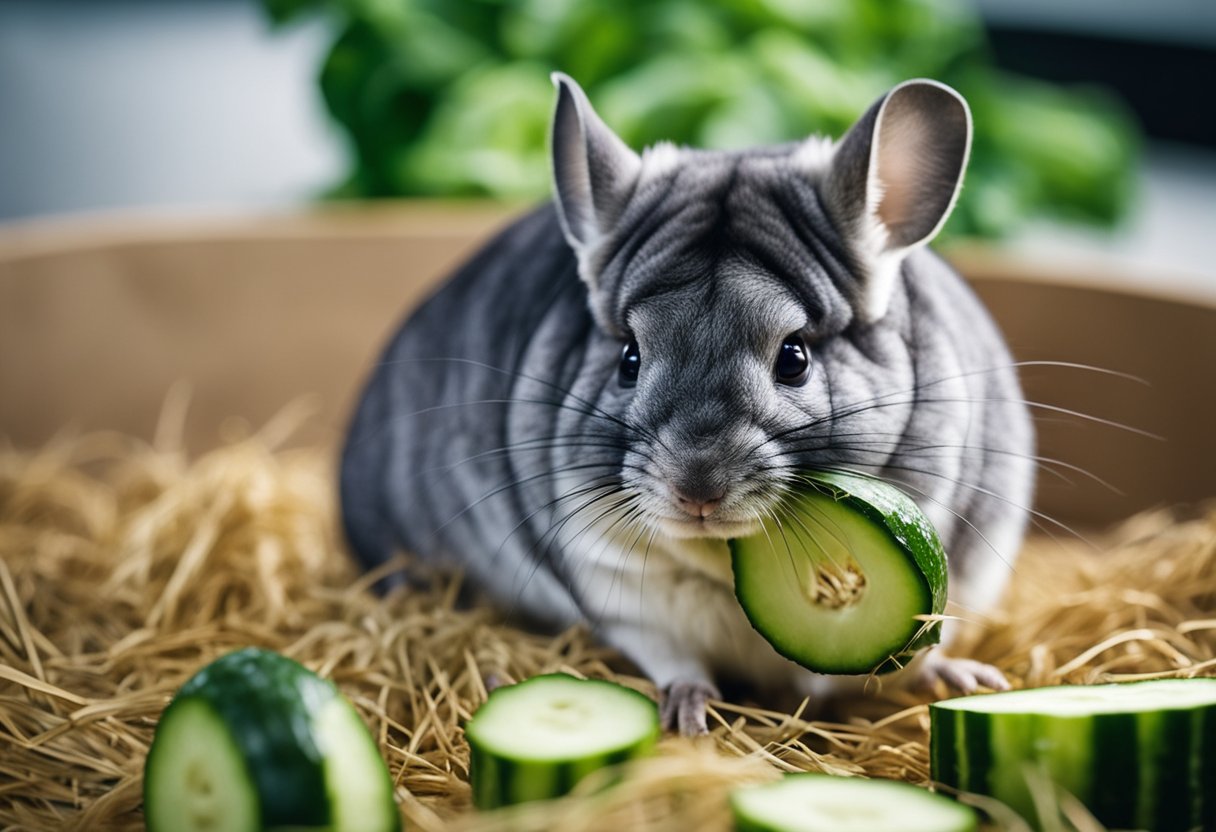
(286, 11)
(488, 136)
(452, 98)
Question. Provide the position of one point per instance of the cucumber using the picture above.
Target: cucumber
(255, 741)
(536, 739)
(836, 580)
(1140, 755)
(823, 803)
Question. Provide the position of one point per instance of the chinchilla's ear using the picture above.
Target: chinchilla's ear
(894, 178)
(593, 170)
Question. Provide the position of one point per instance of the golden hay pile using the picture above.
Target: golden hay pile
(125, 567)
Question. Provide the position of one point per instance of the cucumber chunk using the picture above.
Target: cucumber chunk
(536, 739)
(836, 581)
(1140, 755)
(199, 780)
(255, 741)
(823, 803)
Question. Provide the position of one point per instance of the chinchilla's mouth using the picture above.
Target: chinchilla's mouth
(683, 528)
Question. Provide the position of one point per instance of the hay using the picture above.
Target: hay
(124, 567)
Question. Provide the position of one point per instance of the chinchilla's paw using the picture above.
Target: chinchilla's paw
(684, 706)
(964, 676)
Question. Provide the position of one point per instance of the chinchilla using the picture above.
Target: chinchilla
(624, 379)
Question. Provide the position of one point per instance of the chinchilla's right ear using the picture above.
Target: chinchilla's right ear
(593, 170)
(893, 180)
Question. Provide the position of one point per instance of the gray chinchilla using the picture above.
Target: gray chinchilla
(627, 377)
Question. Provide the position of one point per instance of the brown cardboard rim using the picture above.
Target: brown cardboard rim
(457, 219)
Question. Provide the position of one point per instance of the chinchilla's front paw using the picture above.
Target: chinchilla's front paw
(959, 675)
(684, 706)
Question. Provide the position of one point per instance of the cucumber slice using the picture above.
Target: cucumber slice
(823, 803)
(837, 584)
(1140, 755)
(536, 739)
(256, 741)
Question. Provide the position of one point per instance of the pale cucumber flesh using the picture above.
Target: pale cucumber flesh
(832, 588)
(1092, 700)
(561, 718)
(537, 739)
(823, 803)
(360, 788)
(199, 781)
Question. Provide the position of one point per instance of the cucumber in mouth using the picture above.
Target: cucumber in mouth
(842, 578)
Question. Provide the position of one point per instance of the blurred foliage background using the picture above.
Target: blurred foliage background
(453, 98)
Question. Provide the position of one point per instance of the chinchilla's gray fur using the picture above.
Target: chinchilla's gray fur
(495, 434)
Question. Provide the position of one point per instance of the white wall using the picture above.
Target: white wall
(1191, 22)
(138, 103)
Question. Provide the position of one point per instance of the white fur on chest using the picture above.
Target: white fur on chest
(670, 605)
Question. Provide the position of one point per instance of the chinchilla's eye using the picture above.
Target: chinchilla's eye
(793, 361)
(631, 362)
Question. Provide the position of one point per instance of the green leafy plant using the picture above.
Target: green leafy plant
(452, 97)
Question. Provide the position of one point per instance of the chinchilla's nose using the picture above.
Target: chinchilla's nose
(697, 506)
(698, 488)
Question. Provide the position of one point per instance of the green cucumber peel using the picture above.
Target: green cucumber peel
(1138, 755)
(257, 741)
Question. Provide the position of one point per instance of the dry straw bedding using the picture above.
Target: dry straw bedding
(124, 567)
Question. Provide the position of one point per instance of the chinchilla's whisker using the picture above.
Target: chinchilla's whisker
(536, 444)
(546, 540)
(558, 526)
(777, 521)
(397, 418)
(1021, 365)
(604, 482)
(1043, 406)
(627, 508)
(626, 520)
(559, 566)
(799, 526)
(1037, 517)
(770, 513)
(888, 464)
(594, 408)
(1075, 365)
(1050, 408)
(905, 487)
(517, 481)
(1013, 365)
(1047, 464)
(538, 554)
(875, 404)
(833, 530)
(599, 488)
(879, 401)
(1041, 520)
(654, 530)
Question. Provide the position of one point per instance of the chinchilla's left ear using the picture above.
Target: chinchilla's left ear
(593, 170)
(893, 181)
